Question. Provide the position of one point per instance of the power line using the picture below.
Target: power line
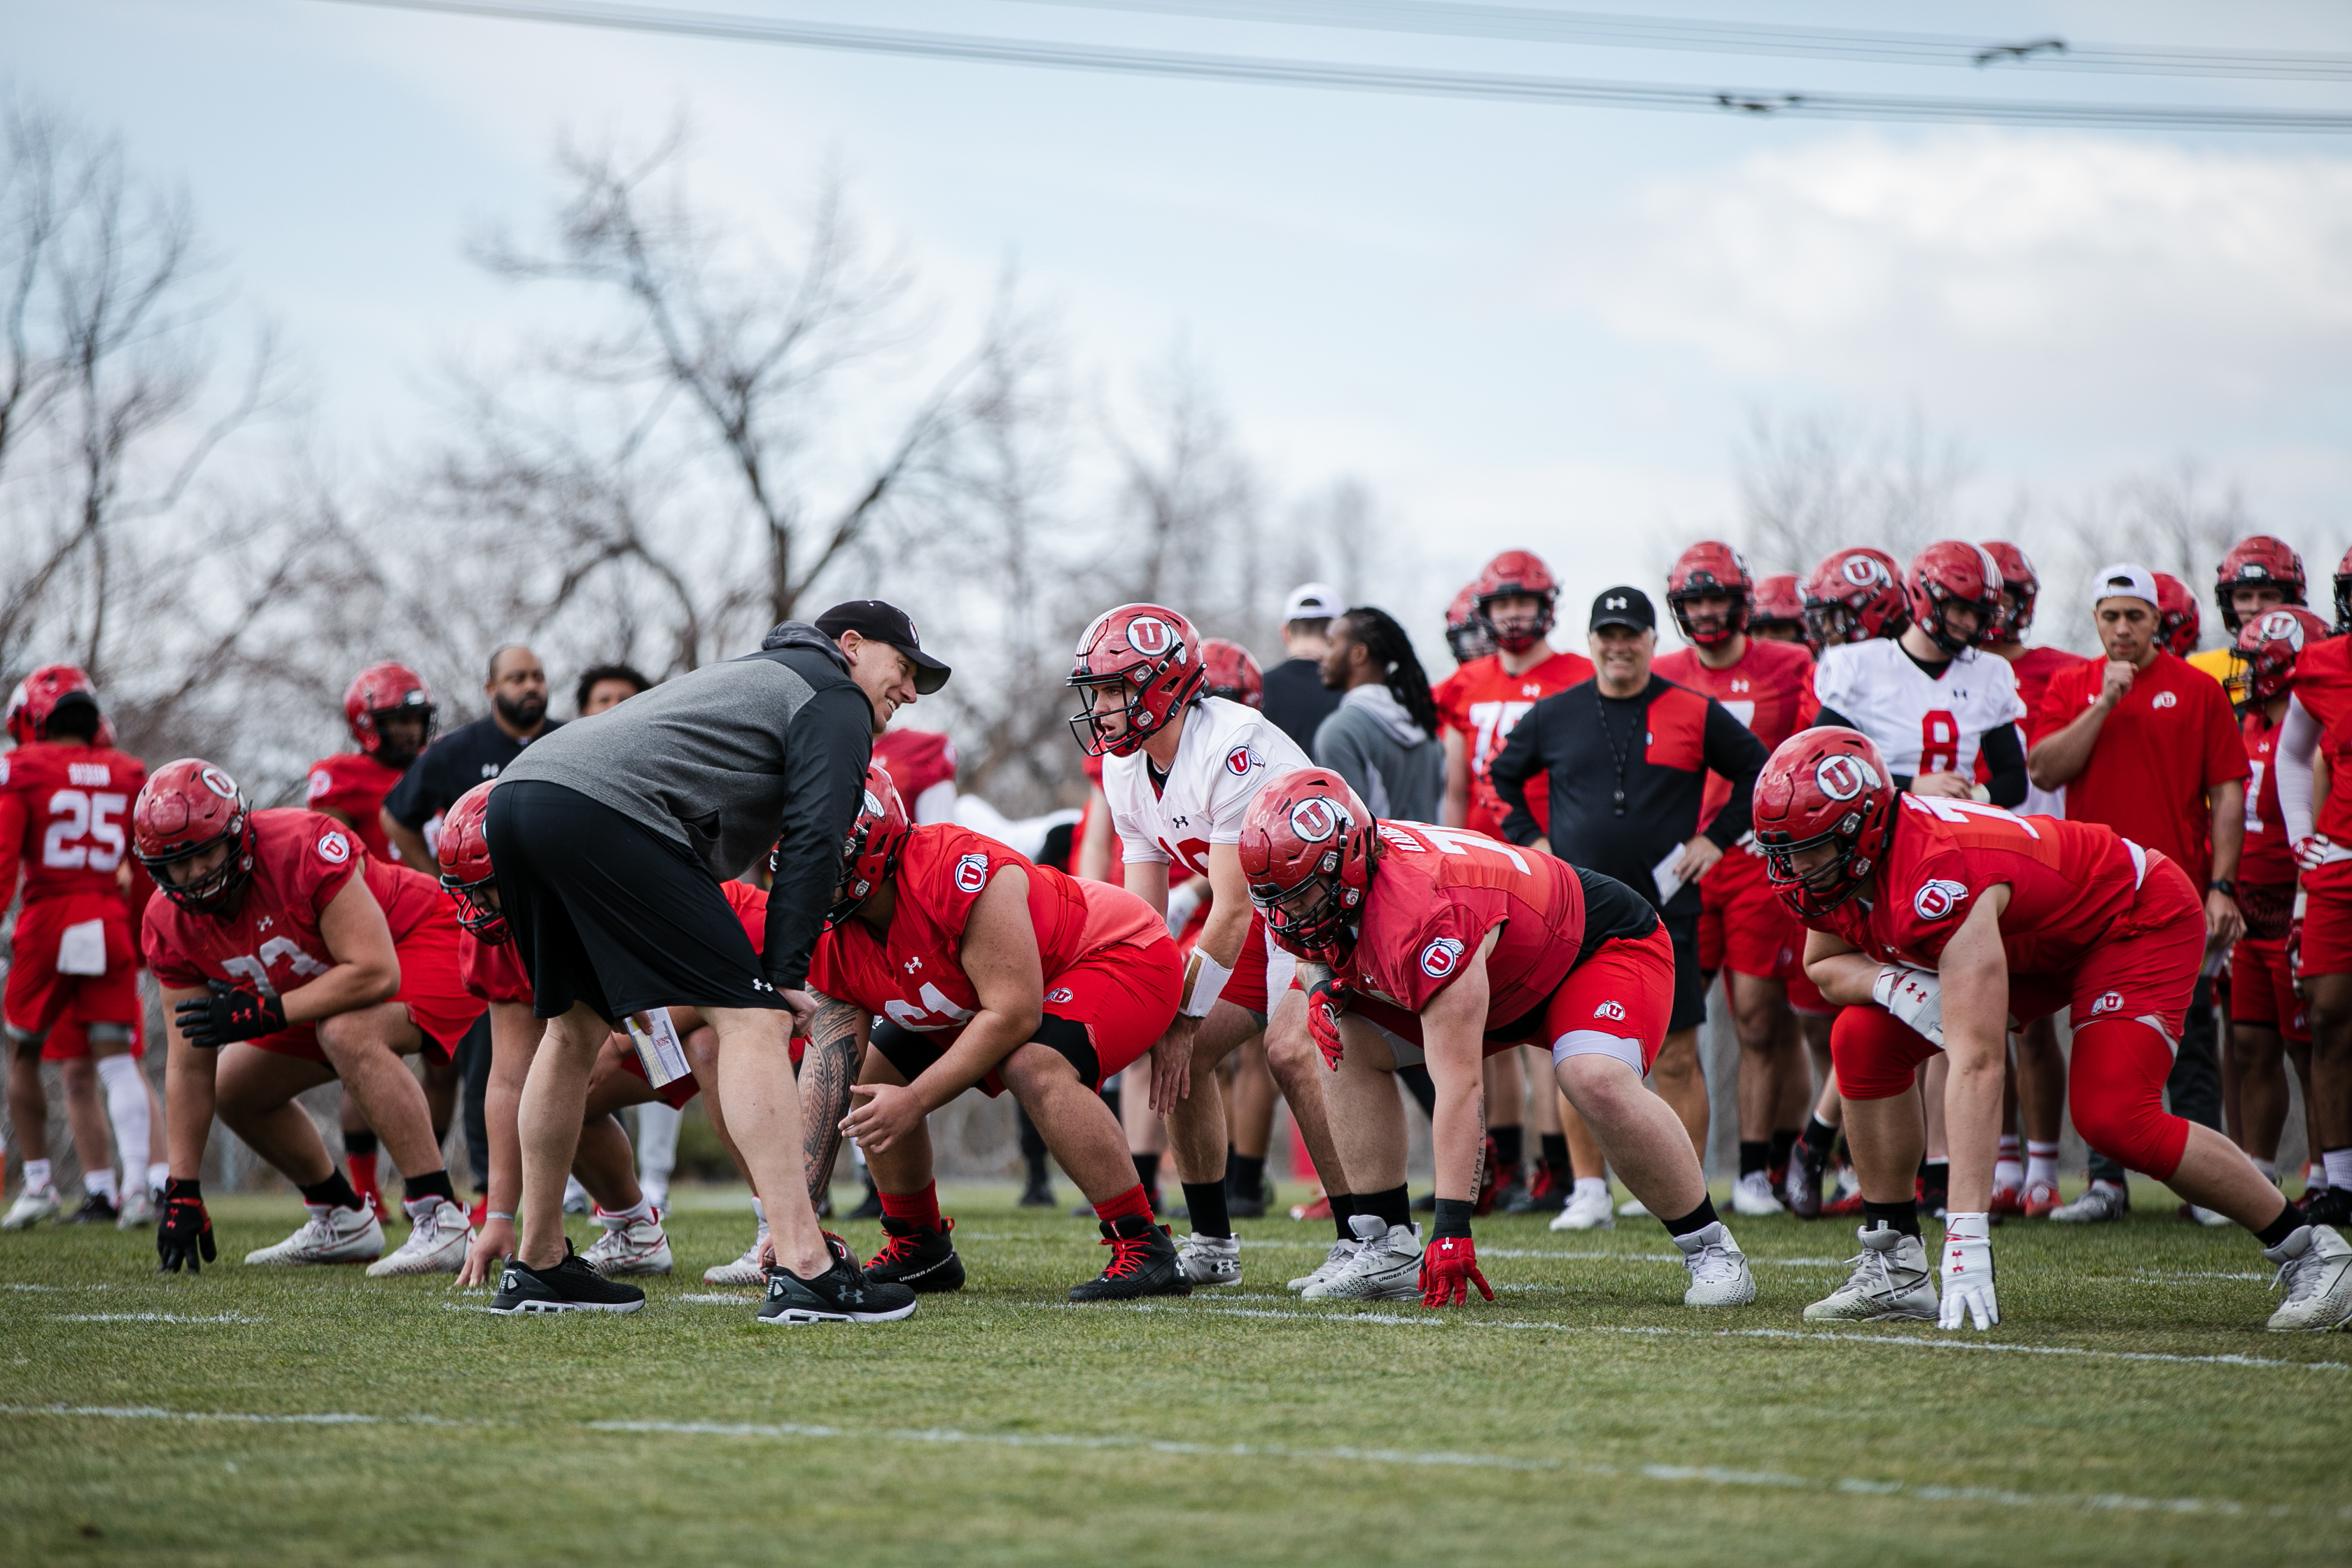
(1382, 79)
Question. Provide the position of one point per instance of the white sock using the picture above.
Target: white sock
(159, 1176)
(2269, 1168)
(2315, 1176)
(2009, 1172)
(100, 1183)
(656, 1145)
(36, 1175)
(2339, 1166)
(1589, 1186)
(2041, 1164)
(621, 1219)
(126, 1107)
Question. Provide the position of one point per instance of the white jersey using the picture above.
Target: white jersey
(1226, 754)
(1920, 725)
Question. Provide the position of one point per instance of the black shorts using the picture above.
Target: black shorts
(608, 912)
(913, 1053)
(1690, 981)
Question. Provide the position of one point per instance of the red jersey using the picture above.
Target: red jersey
(352, 784)
(917, 760)
(2165, 745)
(2267, 859)
(1769, 689)
(1483, 703)
(494, 972)
(2033, 669)
(65, 818)
(2323, 684)
(915, 976)
(2069, 885)
(271, 940)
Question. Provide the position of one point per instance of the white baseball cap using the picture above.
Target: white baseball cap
(1313, 602)
(2124, 580)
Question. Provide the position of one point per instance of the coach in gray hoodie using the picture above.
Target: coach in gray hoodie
(1382, 737)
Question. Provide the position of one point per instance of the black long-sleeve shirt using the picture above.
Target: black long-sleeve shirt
(1657, 749)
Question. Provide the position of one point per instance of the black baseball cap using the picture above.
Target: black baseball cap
(885, 623)
(1624, 606)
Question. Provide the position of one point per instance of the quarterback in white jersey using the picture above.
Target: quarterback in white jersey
(1923, 725)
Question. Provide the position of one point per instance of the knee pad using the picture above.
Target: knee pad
(108, 1034)
(2115, 1090)
(1875, 1053)
(24, 1039)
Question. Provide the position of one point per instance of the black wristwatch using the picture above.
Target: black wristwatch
(2225, 886)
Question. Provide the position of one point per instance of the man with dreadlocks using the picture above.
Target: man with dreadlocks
(1382, 737)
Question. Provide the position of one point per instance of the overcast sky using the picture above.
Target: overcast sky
(1520, 326)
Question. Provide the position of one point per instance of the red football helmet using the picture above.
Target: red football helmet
(1854, 596)
(2178, 619)
(2021, 584)
(869, 856)
(1153, 655)
(1779, 612)
(2267, 647)
(1465, 634)
(1232, 673)
(2258, 561)
(387, 690)
(1953, 572)
(465, 870)
(1511, 574)
(1823, 786)
(186, 808)
(1307, 846)
(1709, 568)
(39, 695)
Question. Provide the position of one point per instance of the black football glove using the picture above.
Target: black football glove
(185, 1231)
(228, 1013)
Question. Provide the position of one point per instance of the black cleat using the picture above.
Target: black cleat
(917, 1257)
(1142, 1263)
(1800, 1187)
(1544, 1194)
(95, 1209)
(871, 1207)
(842, 1294)
(570, 1287)
(2330, 1205)
(1508, 1196)
(1249, 1206)
(1038, 1192)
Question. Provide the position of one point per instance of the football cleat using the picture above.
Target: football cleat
(2105, 1201)
(1800, 1188)
(1143, 1262)
(1386, 1268)
(1751, 1196)
(1544, 1193)
(2315, 1267)
(1847, 1204)
(2330, 1205)
(1038, 1194)
(746, 1269)
(570, 1287)
(2041, 1199)
(1591, 1209)
(1211, 1259)
(842, 1294)
(1718, 1270)
(636, 1247)
(2210, 1218)
(1632, 1208)
(96, 1208)
(32, 1206)
(576, 1196)
(916, 1255)
(328, 1235)
(1317, 1207)
(2007, 1203)
(437, 1238)
(1334, 1264)
(138, 1211)
(1891, 1283)
(1239, 1205)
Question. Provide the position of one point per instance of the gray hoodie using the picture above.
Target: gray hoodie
(1397, 767)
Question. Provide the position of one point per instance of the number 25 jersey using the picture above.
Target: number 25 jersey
(64, 818)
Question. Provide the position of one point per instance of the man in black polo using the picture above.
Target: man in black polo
(1629, 753)
(465, 756)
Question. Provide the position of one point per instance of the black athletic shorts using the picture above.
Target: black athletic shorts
(913, 1053)
(1690, 981)
(609, 912)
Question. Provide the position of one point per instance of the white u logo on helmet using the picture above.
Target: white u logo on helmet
(1316, 820)
(1863, 572)
(1844, 776)
(1150, 636)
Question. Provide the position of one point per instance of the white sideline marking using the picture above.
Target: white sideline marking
(60, 1287)
(738, 1299)
(152, 1318)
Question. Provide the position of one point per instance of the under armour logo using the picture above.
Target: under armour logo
(914, 964)
(263, 923)
(763, 985)
(1614, 601)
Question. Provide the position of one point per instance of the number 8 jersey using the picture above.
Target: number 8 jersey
(1920, 723)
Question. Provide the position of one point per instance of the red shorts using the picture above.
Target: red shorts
(38, 998)
(1806, 998)
(1753, 932)
(1100, 1015)
(677, 1090)
(1248, 985)
(70, 1042)
(1624, 991)
(2262, 991)
(432, 987)
(2327, 920)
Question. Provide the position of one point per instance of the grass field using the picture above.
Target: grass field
(2129, 1409)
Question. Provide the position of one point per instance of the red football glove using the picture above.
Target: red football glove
(1449, 1267)
(1325, 1003)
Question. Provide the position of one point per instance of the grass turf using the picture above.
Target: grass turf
(1584, 1415)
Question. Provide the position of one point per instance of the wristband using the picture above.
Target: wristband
(494, 1214)
(1204, 981)
(1453, 1218)
(2225, 886)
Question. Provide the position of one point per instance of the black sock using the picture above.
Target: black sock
(1343, 1209)
(1245, 1174)
(359, 1143)
(1755, 1154)
(1783, 1141)
(1508, 1147)
(334, 1193)
(1902, 1216)
(1555, 1154)
(1698, 1219)
(2290, 1220)
(1935, 1179)
(1392, 1208)
(1207, 1202)
(436, 1185)
(1146, 1171)
(1814, 1145)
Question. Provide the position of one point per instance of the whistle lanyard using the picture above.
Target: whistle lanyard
(1619, 751)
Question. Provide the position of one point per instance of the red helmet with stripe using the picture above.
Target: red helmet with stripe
(39, 696)
(2178, 619)
(467, 874)
(1823, 788)
(387, 690)
(1949, 574)
(1710, 569)
(1465, 634)
(185, 810)
(1308, 845)
(1514, 574)
(869, 856)
(1152, 656)
(2258, 561)
(2267, 647)
(2020, 584)
(1232, 673)
(1853, 595)
(1779, 609)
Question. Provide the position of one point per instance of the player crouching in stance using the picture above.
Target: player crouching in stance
(1933, 921)
(987, 969)
(290, 958)
(1457, 946)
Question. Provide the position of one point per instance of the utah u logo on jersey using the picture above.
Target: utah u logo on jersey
(1937, 898)
(972, 873)
(2107, 1002)
(1441, 957)
(1241, 760)
(334, 848)
(2165, 700)
(1612, 1011)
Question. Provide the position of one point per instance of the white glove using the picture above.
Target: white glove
(2311, 854)
(1968, 1275)
(1183, 900)
(1914, 995)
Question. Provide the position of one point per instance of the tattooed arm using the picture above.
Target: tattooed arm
(835, 1046)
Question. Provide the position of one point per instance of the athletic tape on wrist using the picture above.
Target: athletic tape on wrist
(1204, 981)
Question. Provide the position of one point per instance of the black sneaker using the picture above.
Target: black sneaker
(1249, 1206)
(96, 1209)
(2331, 1205)
(1142, 1263)
(570, 1287)
(871, 1208)
(917, 1257)
(1509, 1196)
(1038, 1192)
(842, 1294)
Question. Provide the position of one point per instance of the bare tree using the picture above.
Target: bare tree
(1812, 483)
(2171, 521)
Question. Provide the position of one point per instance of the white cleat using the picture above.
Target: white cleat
(2104, 1202)
(576, 1196)
(745, 1270)
(328, 1235)
(1210, 1259)
(438, 1237)
(1632, 1208)
(636, 1247)
(2211, 1219)
(1891, 1283)
(1588, 1209)
(138, 1211)
(1718, 1270)
(1335, 1264)
(1386, 1268)
(1752, 1197)
(2315, 1268)
(31, 1209)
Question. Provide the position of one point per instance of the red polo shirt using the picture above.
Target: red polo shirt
(2171, 739)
